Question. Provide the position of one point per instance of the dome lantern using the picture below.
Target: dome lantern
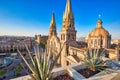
(99, 23)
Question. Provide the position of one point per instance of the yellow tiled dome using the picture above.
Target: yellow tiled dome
(99, 31)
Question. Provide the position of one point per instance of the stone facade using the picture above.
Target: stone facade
(13, 45)
(67, 35)
(73, 52)
(53, 42)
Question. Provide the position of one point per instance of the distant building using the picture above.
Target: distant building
(115, 42)
(41, 38)
(83, 39)
(12, 44)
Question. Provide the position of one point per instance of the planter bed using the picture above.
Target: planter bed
(87, 72)
(61, 74)
(84, 73)
(72, 73)
(64, 76)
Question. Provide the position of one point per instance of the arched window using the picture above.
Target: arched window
(98, 41)
(72, 37)
(101, 42)
(91, 41)
(68, 36)
(95, 42)
(62, 36)
(54, 46)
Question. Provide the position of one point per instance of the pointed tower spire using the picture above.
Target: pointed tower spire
(52, 25)
(68, 11)
(67, 33)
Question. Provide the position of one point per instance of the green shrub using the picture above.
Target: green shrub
(2, 72)
(24, 54)
(43, 44)
(18, 70)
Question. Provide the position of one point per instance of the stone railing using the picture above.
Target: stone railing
(72, 71)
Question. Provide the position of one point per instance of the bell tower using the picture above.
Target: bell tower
(68, 32)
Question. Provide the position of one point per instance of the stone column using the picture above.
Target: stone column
(117, 53)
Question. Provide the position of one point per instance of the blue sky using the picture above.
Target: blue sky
(30, 17)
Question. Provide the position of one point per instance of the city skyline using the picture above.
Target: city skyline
(59, 40)
(23, 18)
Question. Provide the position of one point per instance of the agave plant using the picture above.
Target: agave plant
(41, 64)
(94, 60)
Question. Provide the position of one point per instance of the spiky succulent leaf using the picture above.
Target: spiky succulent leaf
(41, 65)
(93, 59)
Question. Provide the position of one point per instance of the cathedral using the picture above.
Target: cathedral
(72, 52)
(99, 37)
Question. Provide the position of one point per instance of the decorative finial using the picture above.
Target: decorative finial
(99, 22)
(99, 16)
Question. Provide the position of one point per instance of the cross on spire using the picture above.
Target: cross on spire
(99, 16)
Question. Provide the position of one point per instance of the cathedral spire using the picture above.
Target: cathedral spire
(52, 25)
(68, 11)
